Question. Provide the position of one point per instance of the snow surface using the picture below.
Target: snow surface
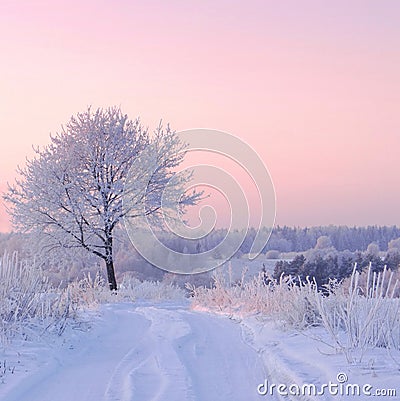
(166, 352)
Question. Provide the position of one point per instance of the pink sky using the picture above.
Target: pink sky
(313, 86)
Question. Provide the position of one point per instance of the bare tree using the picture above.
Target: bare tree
(71, 193)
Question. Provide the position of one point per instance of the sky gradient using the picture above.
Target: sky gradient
(312, 86)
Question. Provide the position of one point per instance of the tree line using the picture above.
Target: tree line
(295, 239)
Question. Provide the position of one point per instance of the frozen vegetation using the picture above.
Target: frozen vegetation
(154, 340)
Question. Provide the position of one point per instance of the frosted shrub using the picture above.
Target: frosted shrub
(291, 304)
(25, 296)
(88, 292)
(295, 303)
(133, 289)
(92, 291)
(19, 286)
(361, 317)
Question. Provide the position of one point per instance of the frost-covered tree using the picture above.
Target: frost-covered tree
(323, 242)
(373, 249)
(71, 193)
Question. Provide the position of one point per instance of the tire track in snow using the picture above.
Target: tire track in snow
(152, 370)
(188, 356)
(222, 366)
(163, 353)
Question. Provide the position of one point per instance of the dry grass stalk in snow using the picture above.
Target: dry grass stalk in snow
(357, 317)
(289, 303)
(26, 296)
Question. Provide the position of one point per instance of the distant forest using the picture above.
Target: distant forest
(297, 239)
(288, 239)
(331, 251)
(282, 239)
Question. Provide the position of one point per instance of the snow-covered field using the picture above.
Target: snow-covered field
(144, 351)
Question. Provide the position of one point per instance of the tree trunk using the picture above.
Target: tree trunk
(112, 282)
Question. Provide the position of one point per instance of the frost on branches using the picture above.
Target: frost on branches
(70, 194)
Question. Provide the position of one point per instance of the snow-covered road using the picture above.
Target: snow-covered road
(147, 353)
(167, 352)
